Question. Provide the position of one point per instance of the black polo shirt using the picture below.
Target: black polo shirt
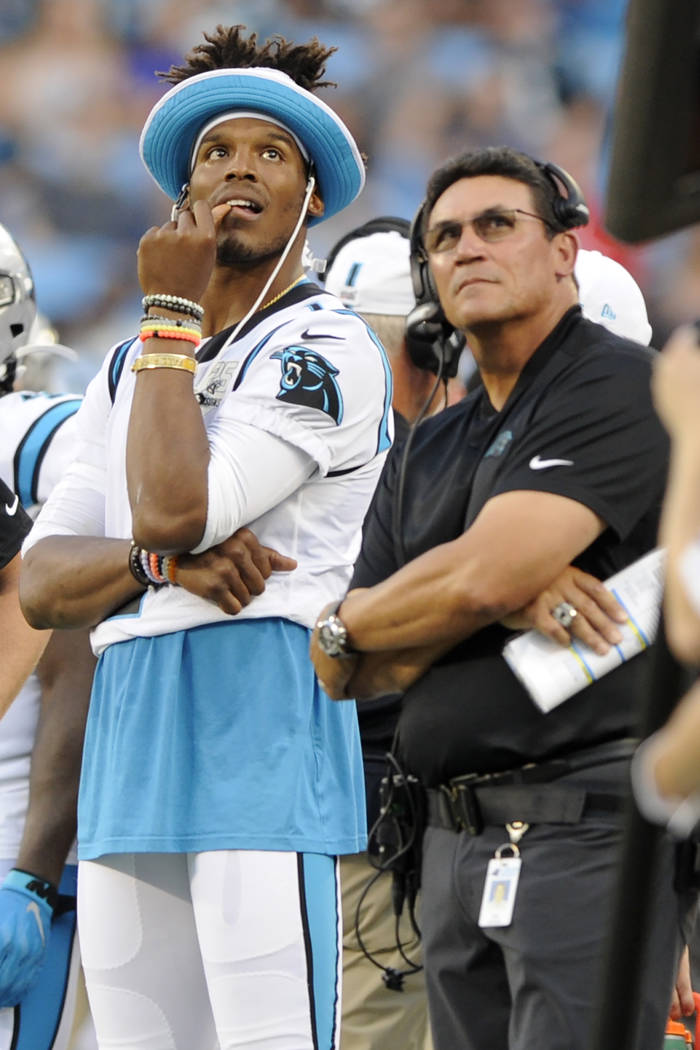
(15, 523)
(584, 399)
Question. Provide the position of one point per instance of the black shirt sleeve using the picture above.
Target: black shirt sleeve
(15, 523)
(594, 438)
(377, 558)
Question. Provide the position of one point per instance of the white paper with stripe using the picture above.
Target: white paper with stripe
(551, 673)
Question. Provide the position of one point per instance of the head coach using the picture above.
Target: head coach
(556, 458)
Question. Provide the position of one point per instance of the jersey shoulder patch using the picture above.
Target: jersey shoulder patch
(309, 379)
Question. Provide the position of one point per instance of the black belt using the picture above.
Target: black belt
(470, 802)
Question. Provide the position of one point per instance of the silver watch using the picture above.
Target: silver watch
(333, 635)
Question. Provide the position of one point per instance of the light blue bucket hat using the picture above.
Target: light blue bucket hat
(175, 121)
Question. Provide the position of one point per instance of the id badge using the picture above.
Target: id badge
(500, 889)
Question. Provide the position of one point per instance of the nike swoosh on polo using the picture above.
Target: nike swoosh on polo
(537, 463)
(11, 508)
(33, 909)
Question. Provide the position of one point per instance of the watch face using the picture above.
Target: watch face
(332, 636)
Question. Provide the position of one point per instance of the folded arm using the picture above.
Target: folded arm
(520, 542)
(76, 581)
(598, 614)
(21, 644)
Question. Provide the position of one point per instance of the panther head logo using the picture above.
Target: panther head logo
(308, 379)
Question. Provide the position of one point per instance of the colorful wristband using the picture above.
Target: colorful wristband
(187, 335)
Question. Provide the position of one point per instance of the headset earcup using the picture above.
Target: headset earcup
(424, 327)
(571, 209)
(428, 333)
(432, 343)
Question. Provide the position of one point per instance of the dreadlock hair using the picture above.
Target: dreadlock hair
(227, 48)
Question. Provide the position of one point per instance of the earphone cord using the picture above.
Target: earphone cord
(399, 546)
(414, 967)
(280, 263)
(384, 867)
(367, 954)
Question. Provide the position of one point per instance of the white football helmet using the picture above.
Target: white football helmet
(17, 307)
(24, 332)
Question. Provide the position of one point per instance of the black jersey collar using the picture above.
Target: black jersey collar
(553, 342)
(537, 361)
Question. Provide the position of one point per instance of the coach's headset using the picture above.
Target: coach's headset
(435, 349)
(428, 332)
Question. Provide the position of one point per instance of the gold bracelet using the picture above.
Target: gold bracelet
(179, 361)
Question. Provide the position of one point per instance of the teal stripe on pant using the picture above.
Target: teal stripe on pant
(318, 886)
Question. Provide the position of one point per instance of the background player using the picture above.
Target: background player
(41, 734)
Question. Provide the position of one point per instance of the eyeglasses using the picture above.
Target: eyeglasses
(491, 226)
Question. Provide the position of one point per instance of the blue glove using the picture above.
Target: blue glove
(26, 908)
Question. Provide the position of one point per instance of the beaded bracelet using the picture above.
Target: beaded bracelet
(178, 361)
(187, 335)
(192, 327)
(146, 564)
(169, 567)
(150, 569)
(174, 302)
(180, 322)
(135, 565)
(154, 564)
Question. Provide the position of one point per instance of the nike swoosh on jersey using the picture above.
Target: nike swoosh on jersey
(11, 508)
(306, 335)
(33, 909)
(536, 463)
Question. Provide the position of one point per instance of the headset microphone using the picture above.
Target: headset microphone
(432, 342)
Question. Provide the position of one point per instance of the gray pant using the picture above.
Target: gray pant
(533, 985)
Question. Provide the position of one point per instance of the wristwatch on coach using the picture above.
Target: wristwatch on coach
(333, 634)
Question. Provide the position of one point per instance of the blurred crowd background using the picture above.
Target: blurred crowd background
(418, 80)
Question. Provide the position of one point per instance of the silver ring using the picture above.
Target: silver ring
(565, 614)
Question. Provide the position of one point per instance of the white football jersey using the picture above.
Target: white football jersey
(37, 442)
(312, 374)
